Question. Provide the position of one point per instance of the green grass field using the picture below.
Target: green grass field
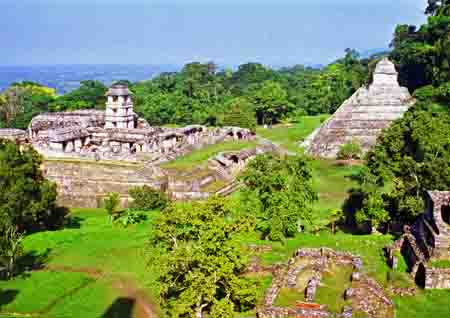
(288, 136)
(82, 266)
(200, 156)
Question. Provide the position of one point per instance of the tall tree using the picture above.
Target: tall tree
(271, 102)
(202, 262)
(283, 193)
(27, 200)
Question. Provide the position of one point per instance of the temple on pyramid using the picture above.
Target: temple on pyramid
(362, 117)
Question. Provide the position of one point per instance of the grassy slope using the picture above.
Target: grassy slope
(95, 246)
(288, 136)
(202, 155)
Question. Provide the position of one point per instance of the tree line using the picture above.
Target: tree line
(201, 93)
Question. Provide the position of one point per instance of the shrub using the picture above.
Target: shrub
(350, 150)
(111, 204)
(130, 218)
(11, 249)
(146, 199)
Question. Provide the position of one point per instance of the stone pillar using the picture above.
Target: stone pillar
(69, 146)
(78, 144)
(126, 147)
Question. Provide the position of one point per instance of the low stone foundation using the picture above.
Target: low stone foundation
(366, 294)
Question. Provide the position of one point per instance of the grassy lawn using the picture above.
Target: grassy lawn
(332, 182)
(200, 156)
(332, 288)
(288, 136)
(82, 265)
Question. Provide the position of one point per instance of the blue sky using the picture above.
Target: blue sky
(229, 32)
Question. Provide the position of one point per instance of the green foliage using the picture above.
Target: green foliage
(202, 261)
(239, 112)
(413, 155)
(146, 199)
(27, 199)
(111, 204)
(130, 218)
(283, 192)
(335, 216)
(22, 101)
(11, 248)
(90, 94)
(271, 102)
(443, 263)
(350, 150)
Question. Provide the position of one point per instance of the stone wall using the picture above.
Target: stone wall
(366, 294)
(85, 184)
(437, 278)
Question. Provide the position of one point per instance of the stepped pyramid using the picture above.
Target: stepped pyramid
(362, 117)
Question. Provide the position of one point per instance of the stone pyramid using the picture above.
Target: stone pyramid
(362, 117)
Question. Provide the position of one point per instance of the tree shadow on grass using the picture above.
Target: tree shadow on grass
(120, 308)
(32, 261)
(73, 222)
(7, 296)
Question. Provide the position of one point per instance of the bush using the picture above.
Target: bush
(350, 150)
(130, 218)
(11, 249)
(111, 204)
(147, 199)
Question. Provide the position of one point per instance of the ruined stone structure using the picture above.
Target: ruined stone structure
(119, 108)
(427, 240)
(117, 134)
(304, 272)
(362, 117)
(89, 153)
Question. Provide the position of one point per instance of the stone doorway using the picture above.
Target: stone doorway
(421, 276)
(445, 212)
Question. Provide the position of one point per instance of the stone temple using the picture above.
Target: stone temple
(362, 117)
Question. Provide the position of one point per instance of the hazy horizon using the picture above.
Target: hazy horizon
(174, 32)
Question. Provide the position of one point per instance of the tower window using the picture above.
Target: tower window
(115, 98)
(445, 211)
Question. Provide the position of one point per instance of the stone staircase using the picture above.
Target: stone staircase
(362, 117)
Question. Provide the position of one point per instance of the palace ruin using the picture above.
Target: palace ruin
(89, 153)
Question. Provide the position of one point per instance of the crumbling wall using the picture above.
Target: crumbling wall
(437, 278)
(84, 184)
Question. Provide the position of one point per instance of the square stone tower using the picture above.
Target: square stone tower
(119, 107)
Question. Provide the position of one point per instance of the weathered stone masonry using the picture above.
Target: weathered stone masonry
(427, 240)
(362, 117)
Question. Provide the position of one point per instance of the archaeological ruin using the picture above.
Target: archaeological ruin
(304, 275)
(89, 153)
(427, 241)
(362, 117)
